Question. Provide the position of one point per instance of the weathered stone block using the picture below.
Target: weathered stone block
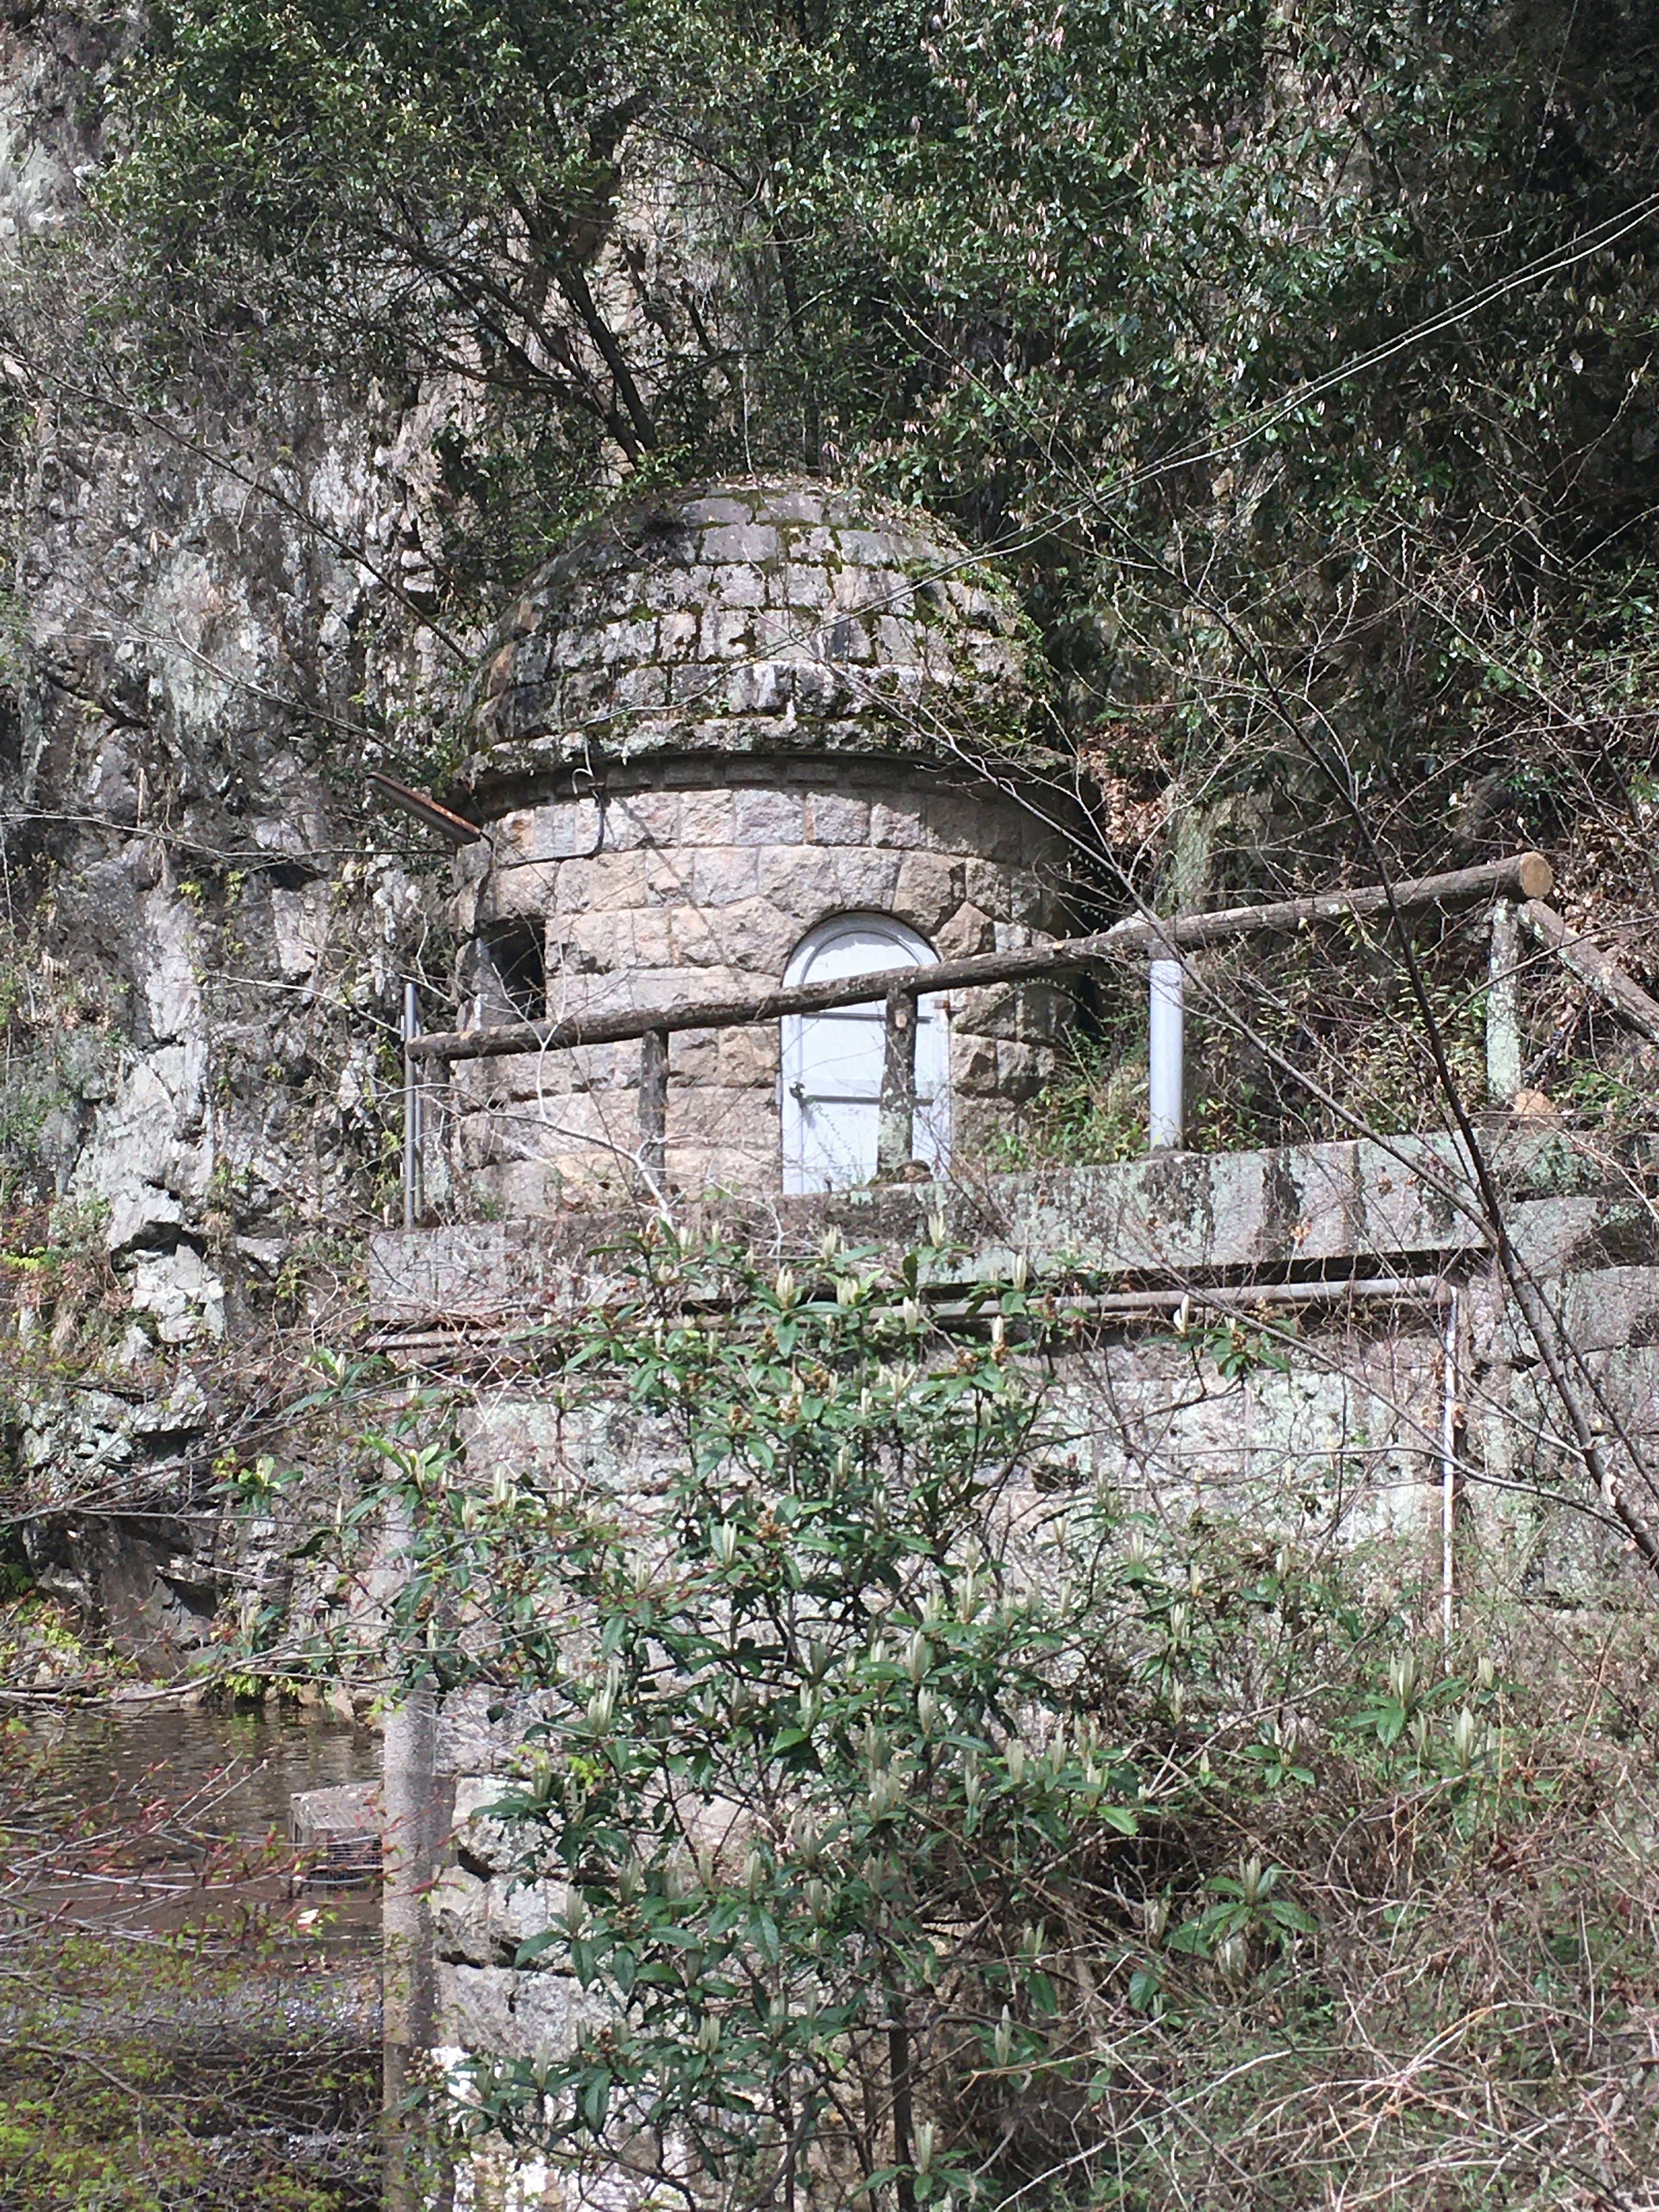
(967, 931)
(748, 1058)
(799, 584)
(739, 586)
(972, 1064)
(693, 1057)
(624, 642)
(512, 836)
(618, 880)
(845, 641)
(668, 874)
(897, 823)
(577, 945)
(954, 822)
(644, 818)
(927, 891)
(460, 1920)
(800, 880)
(819, 690)
(869, 549)
(799, 503)
(674, 588)
(896, 645)
(709, 817)
(642, 688)
(677, 634)
(649, 941)
(722, 874)
(767, 818)
(475, 2007)
(831, 818)
(759, 687)
(552, 832)
(701, 513)
(1021, 1069)
(741, 541)
(750, 935)
(512, 894)
(989, 888)
(866, 880)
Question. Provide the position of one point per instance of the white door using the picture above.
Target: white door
(832, 1062)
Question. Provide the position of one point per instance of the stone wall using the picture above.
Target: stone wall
(1302, 1394)
(701, 880)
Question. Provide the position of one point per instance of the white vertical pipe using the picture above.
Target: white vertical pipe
(1166, 1044)
(411, 1109)
(1448, 1477)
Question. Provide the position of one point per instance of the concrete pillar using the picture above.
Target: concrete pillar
(1502, 1007)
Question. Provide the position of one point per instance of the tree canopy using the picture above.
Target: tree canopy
(1299, 362)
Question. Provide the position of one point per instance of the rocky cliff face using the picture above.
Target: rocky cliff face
(212, 617)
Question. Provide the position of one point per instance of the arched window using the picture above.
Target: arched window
(832, 1062)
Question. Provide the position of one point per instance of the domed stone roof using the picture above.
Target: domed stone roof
(751, 616)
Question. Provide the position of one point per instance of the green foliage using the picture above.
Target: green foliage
(1167, 300)
(901, 1803)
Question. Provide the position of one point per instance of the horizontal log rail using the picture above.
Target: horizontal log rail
(1526, 876)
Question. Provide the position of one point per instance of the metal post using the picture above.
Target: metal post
(1502, 1007)
(1166, 1040)
(414, 1198)
(1450, 1417)
(896, 1117)
(413, 1820)
(653, 1104)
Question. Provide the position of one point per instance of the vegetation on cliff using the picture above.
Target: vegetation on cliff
(1299, 362)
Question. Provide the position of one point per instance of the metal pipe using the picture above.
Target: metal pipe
(412, 1179)
(1166, 1045)
(1448, 1412)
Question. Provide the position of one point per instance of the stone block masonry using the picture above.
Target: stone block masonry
(771, 616)
(655, 896)
(714, 722)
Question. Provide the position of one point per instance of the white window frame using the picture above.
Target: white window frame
(830, 1135)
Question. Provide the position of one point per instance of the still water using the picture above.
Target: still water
(170, 1814)
(197, 2022)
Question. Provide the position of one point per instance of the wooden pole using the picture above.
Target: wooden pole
(653, 1104)
(1591, 965)
(896, 1119)
(1528, 874)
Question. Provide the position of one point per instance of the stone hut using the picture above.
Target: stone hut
(760, 731)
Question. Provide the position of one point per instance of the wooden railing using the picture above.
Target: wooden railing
(1517, 886)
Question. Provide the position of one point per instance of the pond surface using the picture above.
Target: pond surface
(190, 2021)
(165, 1813)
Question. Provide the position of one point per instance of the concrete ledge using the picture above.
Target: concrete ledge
(1576, 1201)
